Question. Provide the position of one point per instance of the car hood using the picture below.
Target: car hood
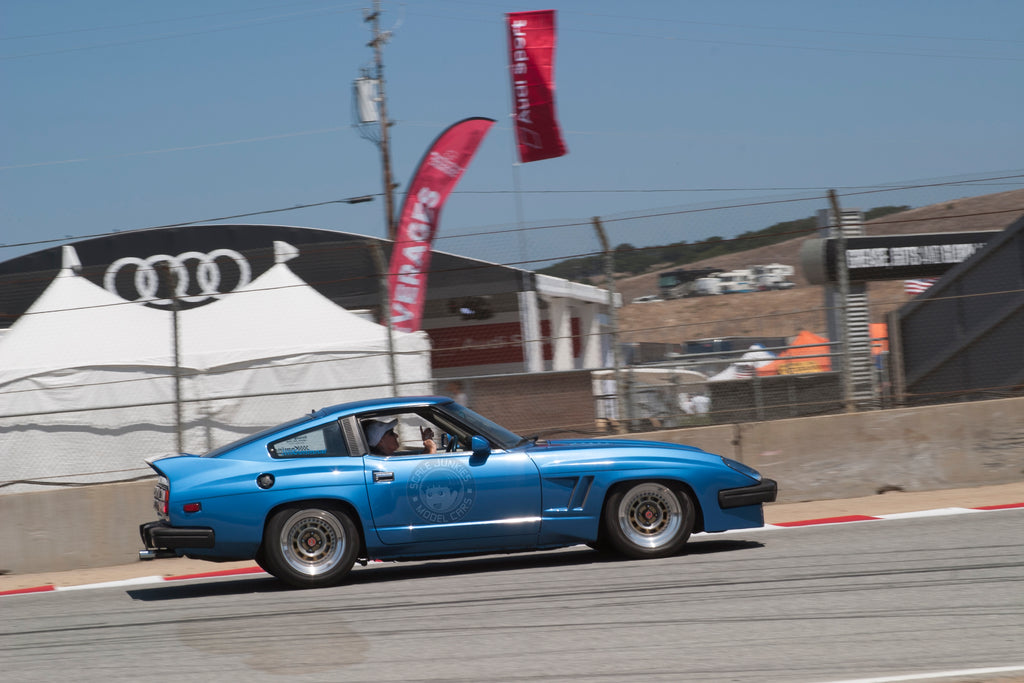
(624, 448)
(564, 456)
(612, 444)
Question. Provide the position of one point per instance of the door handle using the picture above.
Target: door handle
(383, 476)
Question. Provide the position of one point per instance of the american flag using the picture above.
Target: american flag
(915, 287)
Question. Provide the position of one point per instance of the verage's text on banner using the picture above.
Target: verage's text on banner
(436, 176)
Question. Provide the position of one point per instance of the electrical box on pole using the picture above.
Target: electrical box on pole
(371, 112)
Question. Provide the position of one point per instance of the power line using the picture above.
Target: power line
(572, 29)
(184, 148)
(810, 48)
(111, 27)
(858, 190)
(662, 20)
(347, 200)
(777, 46)
(861, 34)
(294, 16)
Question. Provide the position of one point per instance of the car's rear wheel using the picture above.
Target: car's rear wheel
(310, 547)
(647, 519)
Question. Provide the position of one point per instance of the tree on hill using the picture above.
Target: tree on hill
(879, 211)
(636, 260)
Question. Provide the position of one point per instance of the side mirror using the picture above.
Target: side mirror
(480, 446)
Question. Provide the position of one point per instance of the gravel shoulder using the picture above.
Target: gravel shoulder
(888, 503)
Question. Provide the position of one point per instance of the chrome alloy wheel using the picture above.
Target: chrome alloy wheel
(649, 515)
(313, 542)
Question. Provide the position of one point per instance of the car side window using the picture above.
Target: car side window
(410, 427)
(323, 441)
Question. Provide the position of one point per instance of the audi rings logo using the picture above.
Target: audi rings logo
(191, 277)
(441, 490)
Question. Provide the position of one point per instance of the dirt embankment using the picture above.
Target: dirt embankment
(785, 313)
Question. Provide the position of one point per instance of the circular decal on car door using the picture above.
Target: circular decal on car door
(441, 490)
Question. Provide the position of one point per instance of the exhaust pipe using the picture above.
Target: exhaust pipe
(148, 554)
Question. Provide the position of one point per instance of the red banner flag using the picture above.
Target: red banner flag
(532, 64)
(438, 173)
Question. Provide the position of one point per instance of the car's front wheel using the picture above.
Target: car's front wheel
(647, 519)
(310, 547)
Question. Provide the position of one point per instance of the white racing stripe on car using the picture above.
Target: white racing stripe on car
(935, 675)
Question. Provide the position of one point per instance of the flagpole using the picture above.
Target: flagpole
(517, 193)
(516, 189)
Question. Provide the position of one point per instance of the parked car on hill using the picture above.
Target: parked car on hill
(310, 497)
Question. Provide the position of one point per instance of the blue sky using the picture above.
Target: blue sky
(120, 115)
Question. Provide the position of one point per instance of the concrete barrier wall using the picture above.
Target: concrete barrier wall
(817, 458)
(859, 454)
(74, 528)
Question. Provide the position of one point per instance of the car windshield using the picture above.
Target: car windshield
(495, 433)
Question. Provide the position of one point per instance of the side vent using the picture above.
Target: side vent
(580, 493)
(352, 439)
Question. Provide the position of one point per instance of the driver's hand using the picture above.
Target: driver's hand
(428, 440)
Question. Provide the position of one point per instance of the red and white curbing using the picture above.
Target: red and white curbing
(138, 581)
(938, 512)
(846, 519)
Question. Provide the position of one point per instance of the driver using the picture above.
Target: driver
(383, 439)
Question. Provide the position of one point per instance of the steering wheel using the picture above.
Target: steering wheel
(451, 443)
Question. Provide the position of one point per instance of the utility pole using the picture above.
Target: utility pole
(382, 273)
(379, 38)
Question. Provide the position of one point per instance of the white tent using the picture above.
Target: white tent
(746, 366)
(87, 380)
(74, 323)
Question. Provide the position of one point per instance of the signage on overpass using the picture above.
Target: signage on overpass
(891, 257)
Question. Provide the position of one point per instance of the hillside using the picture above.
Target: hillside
(784, 313)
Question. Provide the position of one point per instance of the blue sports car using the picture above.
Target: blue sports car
(418, 477)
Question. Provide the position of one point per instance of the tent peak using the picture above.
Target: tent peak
(69, 259)
(284, 251)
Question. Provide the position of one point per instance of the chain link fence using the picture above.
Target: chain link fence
(734, 380)
(751, 355)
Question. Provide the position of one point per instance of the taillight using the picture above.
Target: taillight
(162, 497)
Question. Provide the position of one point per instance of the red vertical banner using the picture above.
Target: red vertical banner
(438, 173)
(532, 65)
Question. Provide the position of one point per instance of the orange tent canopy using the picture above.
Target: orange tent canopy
(794, 361)
(879, 338)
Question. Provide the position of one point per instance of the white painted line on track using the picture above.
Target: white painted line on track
(938, 512)
(827, 521)
(138, 581)
(935, 675)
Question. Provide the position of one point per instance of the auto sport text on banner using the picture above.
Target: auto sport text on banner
(532, 65)
(436, 176)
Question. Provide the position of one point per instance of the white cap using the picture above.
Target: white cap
(376, 430)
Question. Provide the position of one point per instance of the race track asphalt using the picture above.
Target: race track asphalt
(782, 514)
